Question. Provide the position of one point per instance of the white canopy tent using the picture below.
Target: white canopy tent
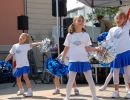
(105, 3)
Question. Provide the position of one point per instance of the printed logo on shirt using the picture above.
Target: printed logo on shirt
(118, 33)
(18, 51)
(77, 43)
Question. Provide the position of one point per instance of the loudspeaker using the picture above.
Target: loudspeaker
(22, 22)
(66, 23)
(62, 10)
(61, 42)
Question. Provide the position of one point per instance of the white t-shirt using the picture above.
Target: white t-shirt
(120, 37)
(20, 51)
(77, 43)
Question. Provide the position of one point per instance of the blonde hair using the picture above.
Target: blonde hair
(27, 37)
(71, 28)
(120, 14)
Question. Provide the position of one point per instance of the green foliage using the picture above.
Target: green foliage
(102, 11)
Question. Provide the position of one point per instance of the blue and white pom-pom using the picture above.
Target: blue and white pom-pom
(101, 37)
(5, 65)
(109, 54)
(56, 67)
(45, 46)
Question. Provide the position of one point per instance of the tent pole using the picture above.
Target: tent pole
(92, 26)
(57, 16)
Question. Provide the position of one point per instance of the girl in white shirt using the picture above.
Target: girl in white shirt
(120, 35)
(77, 43)
(20, 51)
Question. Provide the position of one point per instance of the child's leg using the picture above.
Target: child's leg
(108, 79)
(74, 84)
(19, 82)
(57, 82)
(20, 86)
(106, 82)
(29, 92)
(71, 80)
(127, 71)
(126, 82)
(116, 82)
(116, 78)
(88, 76)
(76, 91)
(25, 77)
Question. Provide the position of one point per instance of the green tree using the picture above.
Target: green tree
(103, 11)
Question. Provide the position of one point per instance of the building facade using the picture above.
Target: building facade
(84, 10)
(9, 9)
(40, 16)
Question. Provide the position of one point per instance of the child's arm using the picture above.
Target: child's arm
(64, 53)
(89, 49)
(36, 43)
(8, 57)
(44, 42)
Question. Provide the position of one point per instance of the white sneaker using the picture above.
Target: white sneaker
(102, 88)
(95, 98)
(28, 94)
(115, 94)
(20, 92)
(76, 91)
(127, 90)
(56, 91)
(127, 95)
(66, 98)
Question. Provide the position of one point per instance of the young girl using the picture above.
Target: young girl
(77, 43)
(120, 35)
(20, 51)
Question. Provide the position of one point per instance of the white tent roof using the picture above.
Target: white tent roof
(105, 3)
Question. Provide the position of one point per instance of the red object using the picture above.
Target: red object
(14, 64)
(128, 13)
(56, 49)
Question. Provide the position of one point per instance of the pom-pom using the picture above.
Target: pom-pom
(44, 47)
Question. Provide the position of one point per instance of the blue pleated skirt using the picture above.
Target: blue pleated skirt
(121, 60)
(20, 71)
(79, 66)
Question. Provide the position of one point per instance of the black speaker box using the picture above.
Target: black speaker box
(22, 22)
(62, 10)
(61, 42)
(66, 23)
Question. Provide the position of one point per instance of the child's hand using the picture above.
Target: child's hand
(62, 59)
(100, 49)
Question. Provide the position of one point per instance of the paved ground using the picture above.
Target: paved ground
(44, 92)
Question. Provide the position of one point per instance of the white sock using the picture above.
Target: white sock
(71, 80)
(116, 75)
(125, 81)
(127, 72)
(88, 76)
(108, 79)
